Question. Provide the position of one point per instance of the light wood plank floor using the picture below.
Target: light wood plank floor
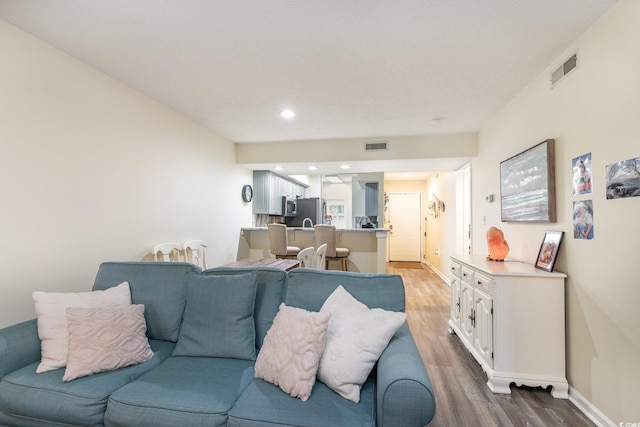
(462, 396)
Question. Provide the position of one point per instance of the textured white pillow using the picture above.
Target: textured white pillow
(356, 337)
(52, 319)
(103, 339)
(291, 350)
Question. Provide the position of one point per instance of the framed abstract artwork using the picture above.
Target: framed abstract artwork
(528, 186)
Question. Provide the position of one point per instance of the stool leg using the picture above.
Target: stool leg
(344, 264)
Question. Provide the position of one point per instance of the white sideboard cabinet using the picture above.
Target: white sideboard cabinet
(510, 316)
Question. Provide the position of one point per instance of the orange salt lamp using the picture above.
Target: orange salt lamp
(498, 247)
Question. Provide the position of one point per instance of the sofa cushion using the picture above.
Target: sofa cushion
(309, 288)
(292, 349)
(356, 337)
(218, 318)
(183, 391)
(269, 295)
(160, 286)
(104, 339)
(262, 404)
(40, 398)
(52, 319)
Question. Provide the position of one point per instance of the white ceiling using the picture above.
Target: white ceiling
(350, 68)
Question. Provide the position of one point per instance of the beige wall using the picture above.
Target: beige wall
(93, 171)
(594, 109)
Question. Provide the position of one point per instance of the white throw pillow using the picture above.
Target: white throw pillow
(356, 337)
(103, 339)
(291, 350)
(52, 319)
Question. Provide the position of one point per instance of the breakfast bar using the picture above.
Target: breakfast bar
(368, 246)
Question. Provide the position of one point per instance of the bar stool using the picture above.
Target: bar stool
(279, 244)
(327, 234)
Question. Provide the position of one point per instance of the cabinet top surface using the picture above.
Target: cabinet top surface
(508, 267)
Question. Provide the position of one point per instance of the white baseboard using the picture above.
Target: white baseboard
(587, 408)
(442, 276)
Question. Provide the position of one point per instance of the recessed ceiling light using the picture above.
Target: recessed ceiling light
(345, 167)
(278, 168)
(287, 114)
(312, 168)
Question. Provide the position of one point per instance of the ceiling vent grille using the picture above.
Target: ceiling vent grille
(376, 146)
(560, 72)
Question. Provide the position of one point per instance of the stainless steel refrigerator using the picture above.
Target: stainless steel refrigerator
(312, 208)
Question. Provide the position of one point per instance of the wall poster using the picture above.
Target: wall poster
(583, 219)
(623, 179)
(582, 174)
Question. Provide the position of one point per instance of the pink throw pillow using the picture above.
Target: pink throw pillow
(103, 339)
(291, 351)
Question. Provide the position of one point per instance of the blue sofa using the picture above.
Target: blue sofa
(212, 391)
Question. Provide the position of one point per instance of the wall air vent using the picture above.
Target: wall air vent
(376, 146)
(560, 72)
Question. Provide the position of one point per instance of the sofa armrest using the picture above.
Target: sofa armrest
(404, 394)
(19, 346)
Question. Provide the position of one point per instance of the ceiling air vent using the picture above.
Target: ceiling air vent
(376, 146)
(568, 66)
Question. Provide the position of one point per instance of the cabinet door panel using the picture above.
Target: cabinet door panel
(466, 311)
(483, 340)
(455, 301)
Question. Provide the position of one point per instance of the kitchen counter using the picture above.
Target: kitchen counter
(368, 246)
(310, 229)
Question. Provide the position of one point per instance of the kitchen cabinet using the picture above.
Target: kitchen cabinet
(268, 190)
(371, 199)
(510, 317)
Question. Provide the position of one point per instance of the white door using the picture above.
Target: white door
(404, 221)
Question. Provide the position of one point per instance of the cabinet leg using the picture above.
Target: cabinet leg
(499, 385)
(560, 390)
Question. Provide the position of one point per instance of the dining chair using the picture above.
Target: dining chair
(167, 252)
(324, 233)
(279, 244)
(319, 257)
(194, 252)
(305, 256)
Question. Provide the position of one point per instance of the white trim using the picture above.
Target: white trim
(587, 408)
(435, 270)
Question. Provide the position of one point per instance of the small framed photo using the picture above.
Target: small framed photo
(549, 250)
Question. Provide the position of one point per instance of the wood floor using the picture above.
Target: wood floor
(462, 396)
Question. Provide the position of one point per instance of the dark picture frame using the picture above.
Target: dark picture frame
(549, 249)
(528, 185)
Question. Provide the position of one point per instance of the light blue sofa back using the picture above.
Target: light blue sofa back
(269, 295)
(160, 286)
(309, 288)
